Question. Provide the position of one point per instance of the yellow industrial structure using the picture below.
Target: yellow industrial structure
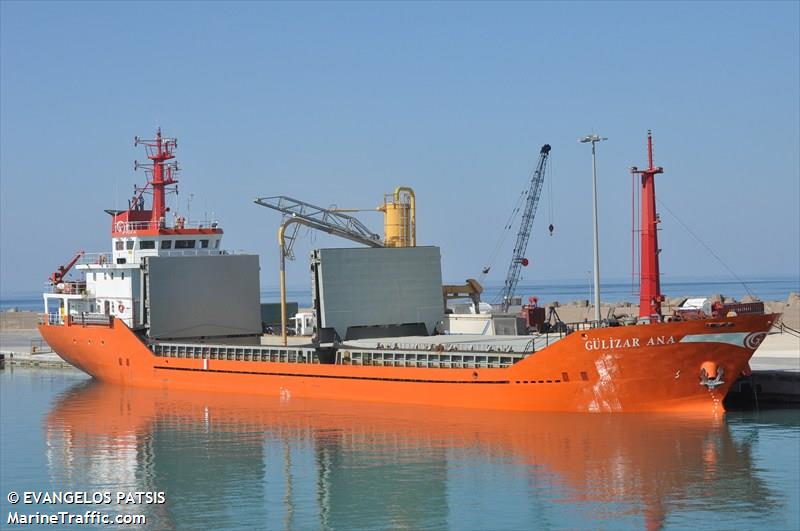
(399, 218)
(400, 227)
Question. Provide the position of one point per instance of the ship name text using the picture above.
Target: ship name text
(632, 342)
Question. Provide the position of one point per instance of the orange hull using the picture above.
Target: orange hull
(622, 369)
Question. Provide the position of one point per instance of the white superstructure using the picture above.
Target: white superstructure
(114, 284)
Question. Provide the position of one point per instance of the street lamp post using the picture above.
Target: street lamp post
(594, 139)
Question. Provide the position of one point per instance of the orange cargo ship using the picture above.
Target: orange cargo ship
(105, 326)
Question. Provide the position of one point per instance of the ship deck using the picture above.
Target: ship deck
(457, 343)
(447, 343)
(445, 351)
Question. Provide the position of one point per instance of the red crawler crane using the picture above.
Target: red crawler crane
(650, 297)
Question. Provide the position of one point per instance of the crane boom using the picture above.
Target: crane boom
(518, 259)
(58, 275)
(322, 219)
(298, 213)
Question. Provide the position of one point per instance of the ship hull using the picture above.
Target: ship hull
(654, 367)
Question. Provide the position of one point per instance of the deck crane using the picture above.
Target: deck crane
(323, 219)
(57, 276)
(518, 259)
(296, 213)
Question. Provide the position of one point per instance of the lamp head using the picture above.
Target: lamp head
(592, 138)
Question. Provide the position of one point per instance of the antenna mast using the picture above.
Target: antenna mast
(650, 297)
(160, 174)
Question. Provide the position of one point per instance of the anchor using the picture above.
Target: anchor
(717, 372)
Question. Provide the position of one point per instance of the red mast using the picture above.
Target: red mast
(650, 296)
(159, 151)
(161, 173)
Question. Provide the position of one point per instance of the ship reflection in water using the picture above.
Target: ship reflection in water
(242, 461)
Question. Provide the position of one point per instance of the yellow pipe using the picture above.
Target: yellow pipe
(282, 252)
(281, 243)
(412, 213)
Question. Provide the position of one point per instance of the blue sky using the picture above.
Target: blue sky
(338, 103)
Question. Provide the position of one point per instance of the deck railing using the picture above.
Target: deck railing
(107, 258)
(95, 319)
(130, 226)
(67, 288)
(194, 252)
(51, 319)
(83, 319)
(94, 259)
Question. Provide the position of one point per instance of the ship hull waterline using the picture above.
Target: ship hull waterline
(655, 367)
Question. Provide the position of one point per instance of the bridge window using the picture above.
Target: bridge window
(129, 244)
(119, 245)
(147, 244)
(216, 244)
(204, 244)
(184, 244)
(166, 244)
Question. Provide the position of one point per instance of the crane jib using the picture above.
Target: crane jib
(518, 258)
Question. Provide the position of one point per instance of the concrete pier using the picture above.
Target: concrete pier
(775, 381)
(25, 347)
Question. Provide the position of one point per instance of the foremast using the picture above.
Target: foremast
(650, 296)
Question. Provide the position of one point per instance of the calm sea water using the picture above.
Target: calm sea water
(764, 289)
(242, 462)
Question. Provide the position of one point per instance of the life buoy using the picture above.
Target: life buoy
(120, 225)
(121, 308)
